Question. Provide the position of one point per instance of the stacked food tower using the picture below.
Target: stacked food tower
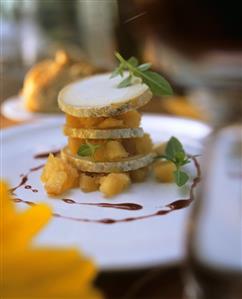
(106, 144)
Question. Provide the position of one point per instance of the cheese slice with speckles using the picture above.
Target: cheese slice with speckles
(103, 134)
(100, 95)
(87, 165)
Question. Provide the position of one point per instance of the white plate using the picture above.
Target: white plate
(135, 244)
(14, 109)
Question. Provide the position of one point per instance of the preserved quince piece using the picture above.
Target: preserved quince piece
(160, 149)
(143, 145)
(58, 176)
(138, 146)
(163, 171)
(83, 122)
(112, 150)
(74, 144)
(115, 151)
(110, 123)
(131, 119)
(114, 183)
(89, 182)
(139, 175)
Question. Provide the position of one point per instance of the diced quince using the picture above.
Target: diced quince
(131, 119)
(89, 183)
(73, 122)
(110, 123)
(58, 176)
(74, 144)
(111, 150)
(144, 144)
(114, 183)
(56, 182)
(139, 175)
(160, 149)
(138, 146)
(115, 150)
(83, 122)
(163, 171)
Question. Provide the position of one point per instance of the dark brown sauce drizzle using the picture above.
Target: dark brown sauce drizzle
(30, 188)
(45, 155)
(173, 206)
(22, 182)
(122, 206)
(24, 179)
(30, 203)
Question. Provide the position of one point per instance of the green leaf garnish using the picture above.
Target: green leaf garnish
(157, 84)
(133, 61)
(126, 82)
(181, 177)
(87, 149)
(174, 152)
(174, 148)
(144, 67)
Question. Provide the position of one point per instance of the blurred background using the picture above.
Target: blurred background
(189, 43)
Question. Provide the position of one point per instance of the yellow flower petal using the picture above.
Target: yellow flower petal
(28, 272)
(30, 222)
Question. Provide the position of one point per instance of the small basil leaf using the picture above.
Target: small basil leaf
(84, 150)
(180, 157)
(88, 149)
(144, 67)
(181, 177)
(126, 82)
(133, 61)
(118, 71)
(158, 84)
(173, 147)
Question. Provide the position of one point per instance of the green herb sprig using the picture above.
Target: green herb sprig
(174, 152)
(158, 85)
(87, 149)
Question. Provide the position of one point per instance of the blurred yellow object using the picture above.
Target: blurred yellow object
(44, 81)
(176, 105)
(180, 106)
(31, 272)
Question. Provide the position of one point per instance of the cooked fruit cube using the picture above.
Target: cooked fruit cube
(164, 171)
(130, 145)
(83, 122)
(114, 183)
(131, 119)
(90, 122)
(74, 144)
(115, 150)
(89, 183)
(144, 144)
(139, 175)
(160, 149)
(55, 183)
(136, 146)
(110, 123)
(73, 122)
(58, 176)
